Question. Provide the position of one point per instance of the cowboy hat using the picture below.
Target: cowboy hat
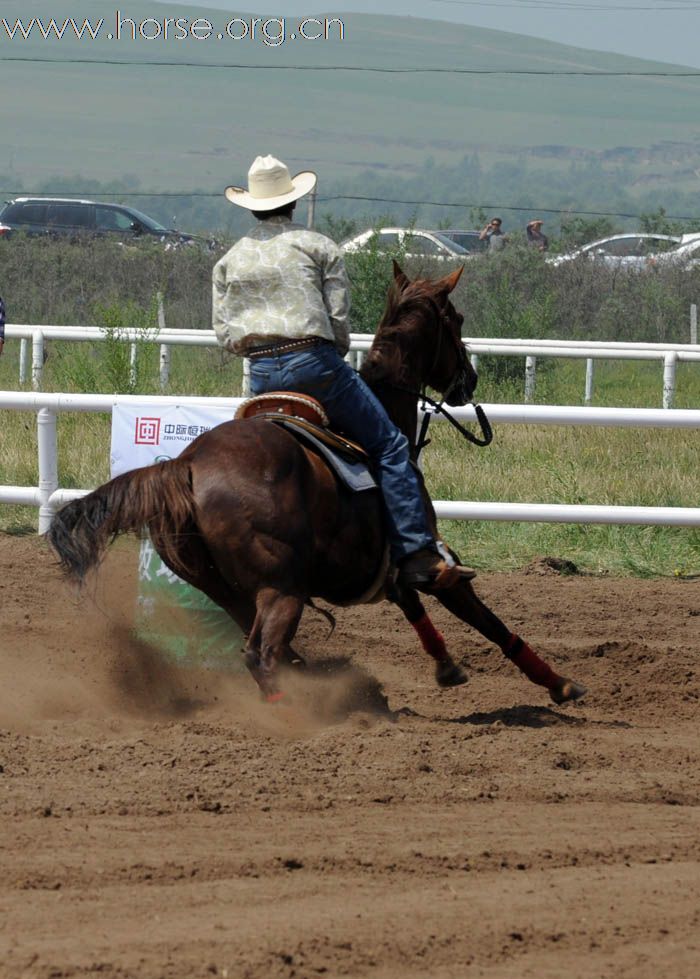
(270, 186)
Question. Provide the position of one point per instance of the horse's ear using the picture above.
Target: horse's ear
(400, 277)
(450, 281)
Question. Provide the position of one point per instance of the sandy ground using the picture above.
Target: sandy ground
(159, 822)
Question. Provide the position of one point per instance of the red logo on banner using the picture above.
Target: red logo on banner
(147, 431)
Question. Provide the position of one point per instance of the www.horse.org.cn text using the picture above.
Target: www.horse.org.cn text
(271, 31)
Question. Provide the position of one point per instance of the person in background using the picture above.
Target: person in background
(2, 325)
(535, 237)
(281, 298)
(493, 233)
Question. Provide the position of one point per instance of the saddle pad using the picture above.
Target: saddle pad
(350, 468)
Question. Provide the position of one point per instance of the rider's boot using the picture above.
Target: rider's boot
(430, 567)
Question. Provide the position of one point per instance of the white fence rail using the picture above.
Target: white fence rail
(667, 355)
(47, 495)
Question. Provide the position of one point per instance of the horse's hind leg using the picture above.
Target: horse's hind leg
(205, 575)
(276, 622)
(463, 602)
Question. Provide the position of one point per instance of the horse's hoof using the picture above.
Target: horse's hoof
(567, 691)
(449, 674)
(272, 698)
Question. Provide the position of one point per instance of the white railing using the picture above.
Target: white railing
(667, 354)
(47, 495)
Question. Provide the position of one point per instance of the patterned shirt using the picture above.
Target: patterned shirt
(280, 281)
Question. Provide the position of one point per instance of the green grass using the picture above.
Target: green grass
(544, 464)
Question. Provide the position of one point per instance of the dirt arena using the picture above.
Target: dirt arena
(156, 822)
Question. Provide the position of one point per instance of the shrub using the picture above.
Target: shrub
(512, 293)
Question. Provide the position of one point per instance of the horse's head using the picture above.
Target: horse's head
(437, 336)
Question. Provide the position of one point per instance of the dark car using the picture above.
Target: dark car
(469, 240)
(61, 217)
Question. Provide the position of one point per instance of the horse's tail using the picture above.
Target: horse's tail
(157, 497)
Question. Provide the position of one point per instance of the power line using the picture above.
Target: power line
(553, 5)
(350, 197)
(535, 72)
(501, 207)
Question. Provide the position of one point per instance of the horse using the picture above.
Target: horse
(256, 520)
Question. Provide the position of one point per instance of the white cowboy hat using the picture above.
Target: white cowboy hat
(270, 186)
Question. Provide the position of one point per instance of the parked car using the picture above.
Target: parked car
(624, 250)
(686, 255)
(469, 240)
(416, 243)
(56, 216)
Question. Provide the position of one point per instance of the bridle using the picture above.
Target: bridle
(437, 407)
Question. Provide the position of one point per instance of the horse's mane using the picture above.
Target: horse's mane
(405, 312)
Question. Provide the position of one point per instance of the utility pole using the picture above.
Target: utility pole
(311, 210)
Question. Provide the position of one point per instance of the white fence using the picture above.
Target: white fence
(48, 497)
(667, 355)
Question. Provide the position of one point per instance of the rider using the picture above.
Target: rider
(281, 298)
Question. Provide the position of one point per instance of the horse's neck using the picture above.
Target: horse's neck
(401, 403)
(402, 408)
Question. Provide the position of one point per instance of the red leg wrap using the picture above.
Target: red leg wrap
(527, 660)
(432, 640)
(274, 698)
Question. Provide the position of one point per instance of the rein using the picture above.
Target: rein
(438, 408)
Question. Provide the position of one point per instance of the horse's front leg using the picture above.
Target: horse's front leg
(463, 602)
(275, 625)
(447, 672)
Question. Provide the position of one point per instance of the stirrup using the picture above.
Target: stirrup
(445, 577)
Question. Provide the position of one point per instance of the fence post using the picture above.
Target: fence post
(161, 311)
(246, 378)
(670, 361)
(48, 464)
(311, 210)
(530, 369)
(693, 323)
(164, 347)
(23, 357)
(590, 366)
(164, 366)
(132, 365)
(37, 359)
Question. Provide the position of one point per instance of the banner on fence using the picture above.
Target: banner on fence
(172, 615)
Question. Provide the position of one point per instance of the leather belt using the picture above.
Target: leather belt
(286, 346)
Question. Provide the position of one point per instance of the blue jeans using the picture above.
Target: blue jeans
(353, 409)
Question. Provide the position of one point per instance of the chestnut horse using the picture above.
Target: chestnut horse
(258, 522)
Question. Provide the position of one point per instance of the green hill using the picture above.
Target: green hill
(187, 127)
